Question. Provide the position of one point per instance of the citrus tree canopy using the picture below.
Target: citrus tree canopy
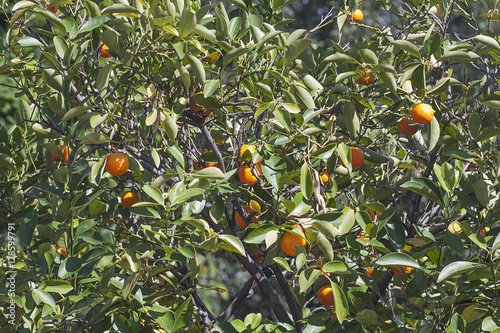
(167, 151)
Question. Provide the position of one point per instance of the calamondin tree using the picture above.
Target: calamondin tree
(354, 185)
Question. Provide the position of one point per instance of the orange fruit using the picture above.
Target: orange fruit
(103, 53)
(369, 271)
(130, 198)
(241, 222)
(364, 236)
(400, 269)
(367, 78)
(198, 110)
(406, 128)
(422, 113)
(325, 296)
(244, 148)
(372, 215)
(65, 152)
(62, 251)
(246, 174)
(484, 231)
(52, 9)
(334, 317)
(289, 240)
(474, 165)
(116, 164)
(211, 164)
(325, 178)
(357, 16)
(357, 158)
(259, 258)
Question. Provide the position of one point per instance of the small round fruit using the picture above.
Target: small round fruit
(103, 52)
(246, 174)
(422, 113)
(289, 240)
(357, 16)
(65, 152)
(484, 231)
(367, 78)
(244, 148)
(372, 215)
(198, 110)
(52, 9)
(259, 258)
(129, 199)
(357, 158)
(406, 128)
(402, 269)
(241, 222)
(116, 164)
(325, 178)
(325, 296)
(62, 251)
(211, 164)
(455, 228)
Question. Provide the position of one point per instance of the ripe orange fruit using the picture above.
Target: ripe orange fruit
(259, 258)
(474, 165)
(241, 222)
(422, 113)
(244, 148)
(65, 152)
(325, 296)
(130, 198)
(325, 178)
(400, 269)
(406, 128)
(357, 16)
(484, 231)
(211, 164)
(198, 110)
(246, 174)
(364, 236)
(372, 215)
(116, 164)
(367, 78)
(103, 53)
(62, 251)
(52, 9)
(289, 240)
(357, 158)
(369, 271)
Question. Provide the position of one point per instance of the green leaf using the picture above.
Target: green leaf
(458, 56)
(210, 87)
(336, 267)
(69, 267)
(435, 133)
(258, 235)
(306, 181)
(27, 227)
(95, 139)
(367, 316)
(55, 286)
(295, 49)
(210, 172)
(234, 244)
(340, 58)
(389, 80)
(488, 41)
(93, 23)
(368, 56)
(197, 68)
(185, 195)
(120, 9)
(482, 191)
(40, 296)
(283, 263)
(205, 33)
(75, 112)
(187, 23)
(183, 315)
(154, 193)
(408, 47)
(53, 79)
(348, 219)
(29, 42)
(102, 80)
(341, 305)
(129, 285)
(239, 3)
(303, 97)
(424, 187)
(233, 55)
(307, 278)
(457, 268)
(351, 119)
(495, 104)
(171, 127)
(397, 259)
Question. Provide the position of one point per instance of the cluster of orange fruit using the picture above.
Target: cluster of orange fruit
(421, 114)
(249, 172)
(117, 164)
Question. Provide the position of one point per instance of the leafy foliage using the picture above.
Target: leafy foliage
(186, 85)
